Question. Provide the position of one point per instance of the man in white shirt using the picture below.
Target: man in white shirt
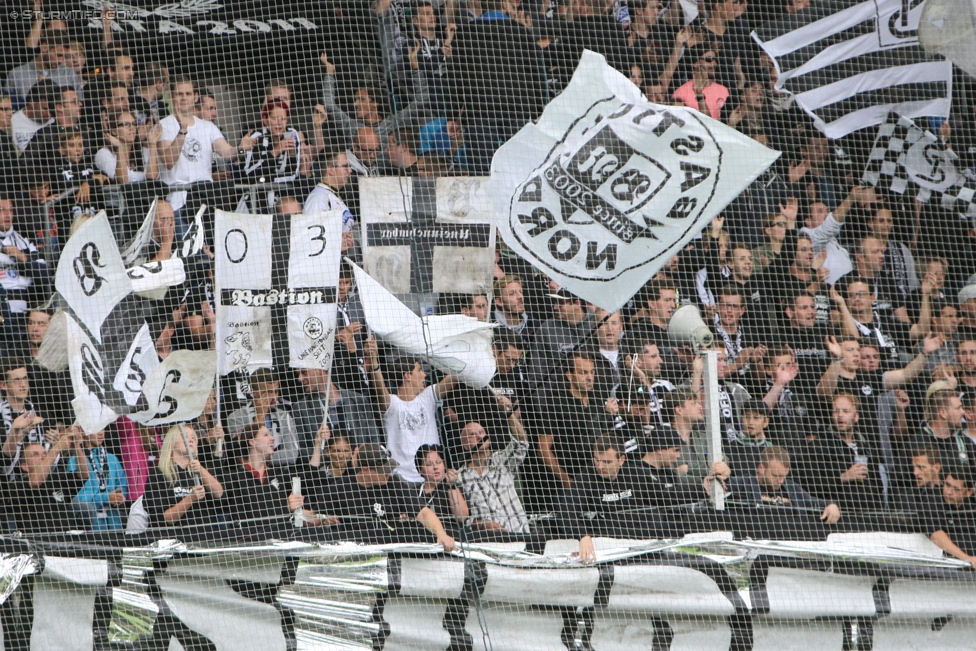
(823, 228)
(324, 197)
(35, 115)
(409, 415)
(187, 144)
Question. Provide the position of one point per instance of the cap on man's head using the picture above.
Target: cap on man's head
(376, 457)
(662, 437)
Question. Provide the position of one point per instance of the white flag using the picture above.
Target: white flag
(607, 187)
(455, 344)
(276, 274)
(179, 388)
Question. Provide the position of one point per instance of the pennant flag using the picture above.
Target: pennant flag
(427, 235)
(905, 154)
(276, 283)
(111, 356)
(607, 187)
(849, 63)
(455, 344)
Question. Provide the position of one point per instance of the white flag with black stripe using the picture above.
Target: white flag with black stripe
(848, 64)
(276, 283)
(422, 235)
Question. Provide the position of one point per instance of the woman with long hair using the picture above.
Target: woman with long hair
(440, 491)
(131, 155)
(180, 490)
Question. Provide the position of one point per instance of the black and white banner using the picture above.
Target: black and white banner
(848, 63)
(607, 187)
(111, 355)
(906, 157)
(427, 235)
(276, 283)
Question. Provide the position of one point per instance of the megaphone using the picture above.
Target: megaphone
(687, 327)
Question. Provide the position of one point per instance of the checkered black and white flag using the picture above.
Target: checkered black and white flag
(422, 235)
(907, 157)
(276, 278)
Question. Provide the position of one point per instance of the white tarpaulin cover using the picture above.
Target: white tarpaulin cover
(607, 187)
(455, 344)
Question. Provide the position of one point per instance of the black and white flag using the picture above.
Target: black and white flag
(906, 156)
(607, 187)
(422, 235)
(850, 63)
(111, 355)
(276, 283)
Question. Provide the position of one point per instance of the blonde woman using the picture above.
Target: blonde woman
(180, 490)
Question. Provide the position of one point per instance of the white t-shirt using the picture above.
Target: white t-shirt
(408, 425)
(195, 163)
(22, 129)
(106, 160)
(323, 199)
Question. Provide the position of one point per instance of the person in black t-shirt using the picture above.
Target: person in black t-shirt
(769, 485)
(806, 338)
(925, 493)
(607, 499)
(843, 466)
(952, 525)
(845, 375)
(256, 489)
(440, 491)
(665, 486)
(180, 491)
(372, 493)
(43, 489)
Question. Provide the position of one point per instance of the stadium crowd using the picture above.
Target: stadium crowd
(844, 315)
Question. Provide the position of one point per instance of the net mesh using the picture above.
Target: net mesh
(427, 324)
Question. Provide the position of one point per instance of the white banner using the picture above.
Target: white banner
(260, 289)
(178, 389)
(422, 235)
(87, 379)
(607, 187)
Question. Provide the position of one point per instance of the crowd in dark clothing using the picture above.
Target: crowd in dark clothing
(844, 315)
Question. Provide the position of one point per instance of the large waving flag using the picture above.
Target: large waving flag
(607, 187)
(849, 63)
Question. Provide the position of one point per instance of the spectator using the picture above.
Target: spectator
(775, 226)
(347, 362)
(702, 92)
(666, 487)
(257, 488)
(652, 320)
(771, 486)
(373, 493)
(147, 97)
(99, 501)
(439, 492)
(180, 491)
(613, 489)
(570, 327)
(42, 150)
(340, 455)
(510, 308)
(823, 227)
(951, 525)
(9, 165)
(745, 450)
(346, 413)
(925, 491)
(325, 198)
(409, 412)
(48, 65)
(609, 363)
(844, 466)
(75, 168)
(643, 359)
(510, 379)
(475, 306)
(25, 276)
(132, 154)
(277, 154)
(265, 410)
(945, 428)
(43, 489)
(747, 116)
(21, 423)
(685, 412)
(899, 263)
(488, 478)
(187, 144)
(36, 114)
